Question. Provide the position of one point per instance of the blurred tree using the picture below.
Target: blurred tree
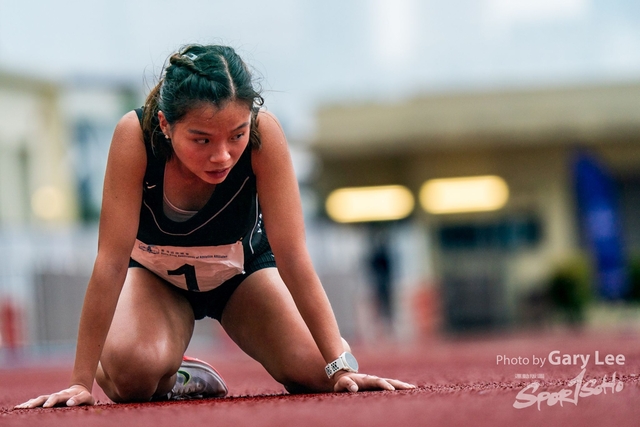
(634, 279)
(570, 288)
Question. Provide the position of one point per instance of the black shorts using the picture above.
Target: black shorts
(211, 303)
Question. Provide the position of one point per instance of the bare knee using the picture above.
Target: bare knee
(134, 374)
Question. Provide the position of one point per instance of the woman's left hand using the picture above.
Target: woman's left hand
(349, 381)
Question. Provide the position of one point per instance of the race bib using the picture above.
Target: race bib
(197, 268)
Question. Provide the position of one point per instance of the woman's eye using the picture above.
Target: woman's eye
(202, 141)
(238, 136)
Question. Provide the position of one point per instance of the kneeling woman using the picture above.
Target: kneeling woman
(195, 182)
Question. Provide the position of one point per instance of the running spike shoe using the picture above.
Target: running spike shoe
(197, 380)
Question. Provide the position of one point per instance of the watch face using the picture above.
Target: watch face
(351, 361)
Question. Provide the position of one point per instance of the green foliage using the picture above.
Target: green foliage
(570, 288)
(634, 279)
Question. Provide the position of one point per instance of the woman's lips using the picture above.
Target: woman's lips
(218, 174)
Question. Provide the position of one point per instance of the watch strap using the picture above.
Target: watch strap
(344, 362)
(334, 367)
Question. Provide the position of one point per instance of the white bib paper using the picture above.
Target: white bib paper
(196, 268)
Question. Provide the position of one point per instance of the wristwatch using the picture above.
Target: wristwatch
(344, 362)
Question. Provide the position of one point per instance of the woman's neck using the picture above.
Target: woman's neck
(184, 189)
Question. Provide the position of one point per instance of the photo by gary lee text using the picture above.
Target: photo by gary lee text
(555, 357)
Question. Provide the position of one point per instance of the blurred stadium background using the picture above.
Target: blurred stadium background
(483, 156)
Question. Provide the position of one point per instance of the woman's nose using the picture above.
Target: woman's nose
(220, 155)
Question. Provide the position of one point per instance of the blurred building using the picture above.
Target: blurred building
(92, 107)
(54, 139)
(35, 178)
(36, 189)
(487, 262)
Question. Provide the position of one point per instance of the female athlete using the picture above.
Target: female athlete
(195, 182)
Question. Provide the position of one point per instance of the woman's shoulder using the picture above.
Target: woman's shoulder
(273, 150)
(130, 121)
(128, 128)
(270, 128)
(128, 140)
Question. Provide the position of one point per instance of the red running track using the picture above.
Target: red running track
(460, 384)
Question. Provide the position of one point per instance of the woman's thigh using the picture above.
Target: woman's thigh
(262, 318)
(151, 327)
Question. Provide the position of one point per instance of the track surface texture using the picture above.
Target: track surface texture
(460, 383)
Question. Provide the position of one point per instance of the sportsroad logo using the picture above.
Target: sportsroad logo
(526, 396)
(578, 388)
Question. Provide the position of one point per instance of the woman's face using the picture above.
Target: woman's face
(208, 140)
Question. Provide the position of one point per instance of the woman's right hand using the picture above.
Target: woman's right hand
(72, 396)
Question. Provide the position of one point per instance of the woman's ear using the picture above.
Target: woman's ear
(164, 125)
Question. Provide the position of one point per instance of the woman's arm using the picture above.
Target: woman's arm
(280, 202)
(282, 212)
(122, 195)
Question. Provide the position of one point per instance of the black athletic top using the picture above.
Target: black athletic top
(206, 248)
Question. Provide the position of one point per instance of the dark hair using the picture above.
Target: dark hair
(196, 74)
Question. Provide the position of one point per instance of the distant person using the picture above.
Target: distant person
(381, 265)
(195, 182)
